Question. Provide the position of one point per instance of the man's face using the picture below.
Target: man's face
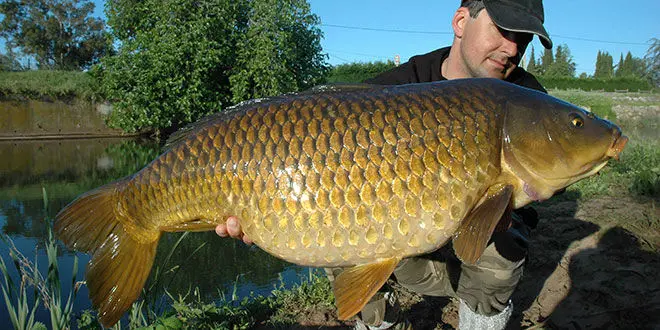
(488, 51)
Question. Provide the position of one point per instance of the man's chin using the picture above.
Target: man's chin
(494, 74)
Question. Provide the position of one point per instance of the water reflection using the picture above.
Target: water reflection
(67, 168)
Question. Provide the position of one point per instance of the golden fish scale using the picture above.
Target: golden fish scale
(330, 179)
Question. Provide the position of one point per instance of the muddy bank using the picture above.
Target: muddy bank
(43, 119)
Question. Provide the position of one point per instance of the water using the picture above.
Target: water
(66, 168)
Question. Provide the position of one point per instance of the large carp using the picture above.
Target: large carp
(359, 177)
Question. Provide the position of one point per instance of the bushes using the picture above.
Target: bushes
(357, 72)
(608, 85)
(180, 60)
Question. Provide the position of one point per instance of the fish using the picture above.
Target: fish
(354, 176)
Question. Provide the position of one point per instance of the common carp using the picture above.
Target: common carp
(355, 176)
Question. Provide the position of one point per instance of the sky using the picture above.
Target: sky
(378, 30)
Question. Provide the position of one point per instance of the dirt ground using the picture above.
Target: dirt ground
(591, 265)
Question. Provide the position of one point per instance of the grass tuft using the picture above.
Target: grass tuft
(41, 84)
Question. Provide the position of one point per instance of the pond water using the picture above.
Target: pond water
(67, 168)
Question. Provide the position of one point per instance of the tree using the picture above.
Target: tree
(619, 72)
(532, 66)
(653, 61)
(631, 67)
(58, 34)
(546, 61)
(604, 68)
(279, 52)
(179, 60)
(9, 61)
(563, 64)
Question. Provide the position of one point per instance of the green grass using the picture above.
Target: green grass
(48, 84)
(279, 310)
(47, 289)
(598, 103)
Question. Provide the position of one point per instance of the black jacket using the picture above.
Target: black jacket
(428, 67)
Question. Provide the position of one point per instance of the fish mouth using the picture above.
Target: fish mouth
(617, 146)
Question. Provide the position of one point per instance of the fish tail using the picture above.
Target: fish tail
(120, 263)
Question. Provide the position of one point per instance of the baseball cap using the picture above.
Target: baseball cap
(519, 16)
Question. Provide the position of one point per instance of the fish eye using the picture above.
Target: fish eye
(576, 120)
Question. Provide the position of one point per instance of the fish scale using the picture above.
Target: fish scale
(360, 163)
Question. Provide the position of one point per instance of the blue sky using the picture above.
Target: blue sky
(585, 26)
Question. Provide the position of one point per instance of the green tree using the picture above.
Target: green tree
(58, 34)
(563, 64)
(604, 66)
(653, 61)
(631, 66)
(179, 60)
(546, 61)
(9, 61)
(532, 66)
(620, 68)
(279, 52)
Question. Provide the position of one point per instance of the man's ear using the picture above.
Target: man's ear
(461, 16)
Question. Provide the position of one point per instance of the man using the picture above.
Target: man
(490, 37)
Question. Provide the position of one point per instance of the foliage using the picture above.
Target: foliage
(315, 293)
(636, 172)
(279, 310)
(631, 67)
(9, 61)
(45, 83)
(562, 65)
(604, 66)
(653, 59)
(608, 85)
(532, 66)
(358, 72)
(60, 35)
(546, 61)
(642, 163)
(279, 52)
(21, 314)
(46, 290)
(180, 60)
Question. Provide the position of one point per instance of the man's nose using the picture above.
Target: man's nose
(509, 47)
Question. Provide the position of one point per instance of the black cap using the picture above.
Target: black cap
(519, 16)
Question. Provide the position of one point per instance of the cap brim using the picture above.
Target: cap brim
(517, 20)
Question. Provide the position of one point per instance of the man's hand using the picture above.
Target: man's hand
(232, 228)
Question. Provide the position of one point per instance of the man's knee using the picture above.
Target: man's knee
(426, 276)
(488, 285)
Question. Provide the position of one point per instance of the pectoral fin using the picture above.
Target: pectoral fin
(356, 285)
(474, 232)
